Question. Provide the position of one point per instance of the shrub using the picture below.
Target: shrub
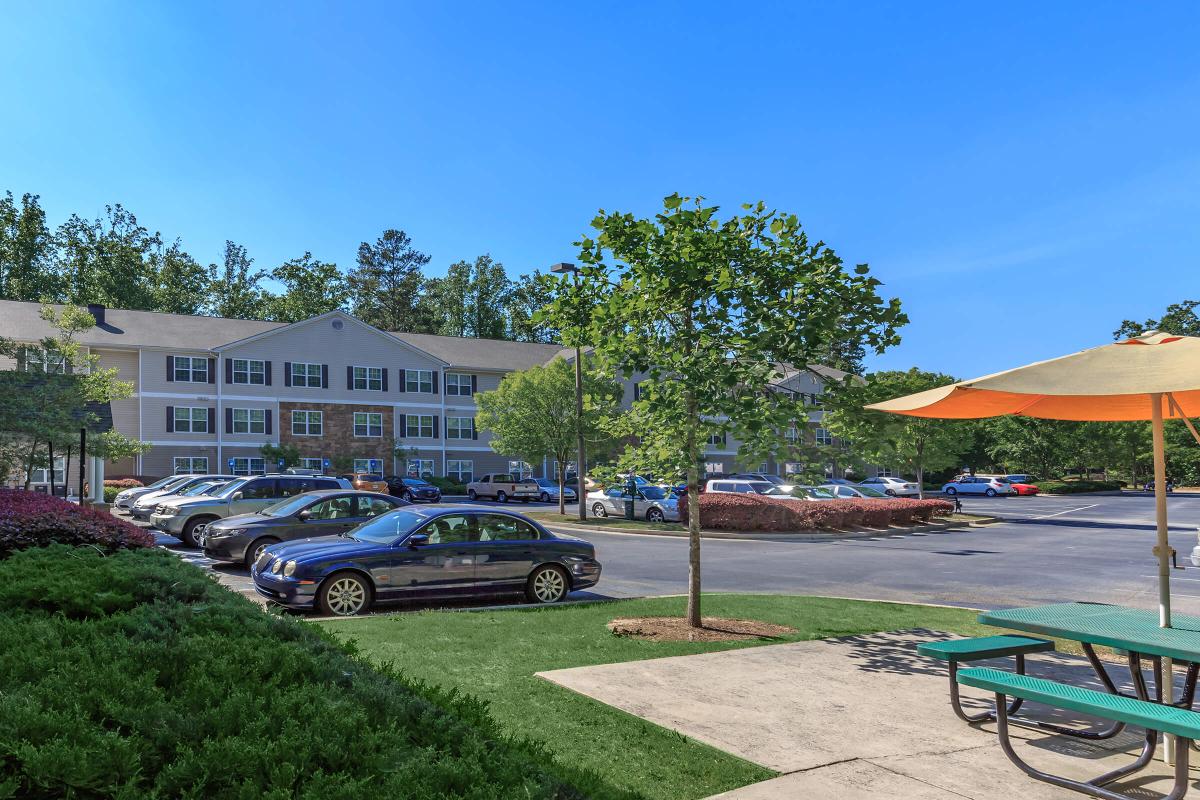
(751, 512)
(110, 494)
(447, 486)
(135, 675)
(124, 483)
(32, 519)
(1074, 487)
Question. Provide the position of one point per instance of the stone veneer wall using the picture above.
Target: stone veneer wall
(338, 437)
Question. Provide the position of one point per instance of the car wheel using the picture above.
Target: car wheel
(256, 547)
(547, 585)
(890, 492)
(501, 496)
(545, 498)
(471, 495)
(990, 492)
(409, 497)
(188, 536)
(950, 490)
(344, 594)
(655, 515)
(599, 511)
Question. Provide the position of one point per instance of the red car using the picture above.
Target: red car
(1025, 488)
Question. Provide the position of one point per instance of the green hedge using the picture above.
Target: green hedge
(135, 675)
(448, 486)
(1074, 487)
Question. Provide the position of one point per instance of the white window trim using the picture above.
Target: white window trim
(420, 426)
(460, 432)
(249, 468)
(457, 474)
(307, 422)
(249, 420)
(191, 419)
(60, 472)
(191, 371)
(409, 381)
(191, 465)
(420, 462)
(367, 379)
(367, 424)
(454, 381)
(249, 371)
(367, 465)
(307, 384)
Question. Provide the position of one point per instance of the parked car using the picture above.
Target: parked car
(1020, 478)
(325, 512)
(181, 516)
(978, 484)
(651, 503)
(1023, 488)
(502, 486)
(125, 497)
(418, 551)
(144, 506)
(414, 490)
(730, 485)
(763, 476)
(893, 487)
(550, 490)
(366, 481)
(844, 492)
(813, 493)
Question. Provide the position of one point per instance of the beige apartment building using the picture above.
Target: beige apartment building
(209, 392)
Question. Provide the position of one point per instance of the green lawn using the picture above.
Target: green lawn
(494, 655)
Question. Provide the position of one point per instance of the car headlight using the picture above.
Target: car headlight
(166, 511)
(276, 566)
(289, 569)
(223, 533)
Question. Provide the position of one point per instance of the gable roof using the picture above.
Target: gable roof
(489, 354)
(336, 314)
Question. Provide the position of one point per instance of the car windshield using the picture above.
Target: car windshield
(288, 507)
(816, 492)
(654, 493)
(867, 491)
(761, 487)
(368, 476)
(199, 488)
(176, 482)
(775, 491)
(415, 482)
(161, 482)
(231, 487)
(389, 527)
(775, 479)
(546, 482)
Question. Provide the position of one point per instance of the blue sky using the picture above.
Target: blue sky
(1023, 175)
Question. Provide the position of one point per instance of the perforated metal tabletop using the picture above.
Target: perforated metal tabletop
(1107, 626)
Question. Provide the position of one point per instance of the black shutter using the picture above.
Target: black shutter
(229, 370)
(350, 378)
(267, 371)
(229, 420)
(21, 358)
(435, 426)
(170, 417)
(403, 375)
(435, 382)
(474, 430)
(287, 373)
(267, 414)
(385, 372)
(212, 370)
(212, 420)
(474, 384)
(171, 368)
(324, 376)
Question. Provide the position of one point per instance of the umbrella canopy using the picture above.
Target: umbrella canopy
(1145, 378)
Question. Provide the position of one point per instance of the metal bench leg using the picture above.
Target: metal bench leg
(983, 716)
(1097, 735)
(1093, 787)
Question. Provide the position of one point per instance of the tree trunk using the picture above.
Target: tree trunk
(693, 501)
(562, 487)
(920, 470)
(29, 466)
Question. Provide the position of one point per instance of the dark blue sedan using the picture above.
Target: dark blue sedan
(419, 551)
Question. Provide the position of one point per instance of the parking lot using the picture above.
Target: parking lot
(1046, 549)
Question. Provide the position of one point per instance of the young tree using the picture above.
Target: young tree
(912, 444)
(26, 251)
(709, 309)
(386, 285)
(235, 288)
(272, 454)
(311, 287)
(531, 414)
(181, 281)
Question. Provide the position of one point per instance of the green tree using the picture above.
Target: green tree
(235, 288)
(471, 300)
(311, 287)
(708, 309)
(444, 301)
(386, 284)
(108, 260)
(1179, 319)
(272, 454)
(529, 295)
(912, 444)
(531, 414)
(181, 281)
(26, 251)
(1045, 447)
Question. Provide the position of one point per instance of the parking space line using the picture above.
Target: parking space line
(1066, 511)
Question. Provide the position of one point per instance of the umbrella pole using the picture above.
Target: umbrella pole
(1163, 551)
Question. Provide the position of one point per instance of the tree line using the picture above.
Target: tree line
(115, 260)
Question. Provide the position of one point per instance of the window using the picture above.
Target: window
(793, 468)
(249, 466)
(418, 426)
(450, 530)
(42, 474)
(42, 359)
(189, 369)
(419, 380)
(260, 490)
(558, 468)
(716, 438)
(460, 427)
(368, 378)
(824, 437)
(334, 508)
(368, 424)
(460, 471)
(373, 465)
(307, 423)
(249, 420)
(421, 467)
(520, 470)
(884, 472)
(249, 371)
(191, 419)
(456, 384)
(190, 465)
(503, 528)
(711, 467)
(312, 463)
(792, 434)
(307, 375)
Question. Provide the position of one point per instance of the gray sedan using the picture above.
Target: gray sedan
(325, 512)
(651, 503)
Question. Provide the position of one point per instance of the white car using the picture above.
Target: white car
(124, 499)
(550, 490)
(843, 492)
(651, 503)
(894, 487)
(978, 484)
(732, 486)
(144, 506)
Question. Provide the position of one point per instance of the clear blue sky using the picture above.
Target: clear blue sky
(1022, 175)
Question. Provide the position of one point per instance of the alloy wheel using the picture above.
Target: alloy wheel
(346, 596)
(549, 586)
(598, 511)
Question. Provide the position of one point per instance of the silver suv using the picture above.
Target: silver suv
(182, 516)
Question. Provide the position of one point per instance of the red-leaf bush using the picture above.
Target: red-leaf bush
(752, 512)
(32, 519)
(124, 483)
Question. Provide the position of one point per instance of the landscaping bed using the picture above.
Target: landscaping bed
(33, 519)
(135, 675)
(752, 512)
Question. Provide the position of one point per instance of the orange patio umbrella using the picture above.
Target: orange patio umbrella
(1150, 377)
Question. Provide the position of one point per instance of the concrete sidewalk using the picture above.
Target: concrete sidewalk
(857, 718)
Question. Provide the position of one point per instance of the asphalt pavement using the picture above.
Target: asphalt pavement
(1047, 549)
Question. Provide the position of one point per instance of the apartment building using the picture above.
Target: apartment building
(209, 392)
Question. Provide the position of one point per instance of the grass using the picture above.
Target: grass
(494, 655)
(603, 522)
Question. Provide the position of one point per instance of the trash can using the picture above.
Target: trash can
(628, 508)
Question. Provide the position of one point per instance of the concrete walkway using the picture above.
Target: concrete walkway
(856, 718)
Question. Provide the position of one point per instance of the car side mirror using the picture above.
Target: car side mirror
(236, 496)
(304, 516)
(417, 540)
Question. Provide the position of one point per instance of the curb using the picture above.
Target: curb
(785, 537)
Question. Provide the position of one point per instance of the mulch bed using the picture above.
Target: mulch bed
(715, 629)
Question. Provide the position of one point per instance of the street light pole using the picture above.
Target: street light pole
(581, 456)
